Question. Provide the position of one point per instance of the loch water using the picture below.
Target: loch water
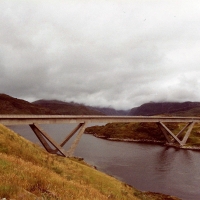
(147, 167)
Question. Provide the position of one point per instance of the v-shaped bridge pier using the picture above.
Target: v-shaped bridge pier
(45, 138)
(171, 138)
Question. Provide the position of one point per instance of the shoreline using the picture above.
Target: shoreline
(150, 142)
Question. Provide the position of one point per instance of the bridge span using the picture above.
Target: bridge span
(34, 120)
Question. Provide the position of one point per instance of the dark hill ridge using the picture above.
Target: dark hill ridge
(65, 108)
(172, 108)
(11, 105)
(110, 111)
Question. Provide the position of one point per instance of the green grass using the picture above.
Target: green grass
(29, 172)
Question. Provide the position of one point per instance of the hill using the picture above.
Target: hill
(172, 108)
(110, 111)
(29, 172)
(11, 105)
(195, 112)
(65, 108)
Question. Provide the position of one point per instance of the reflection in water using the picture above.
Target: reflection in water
(145, 166)
(165, 158)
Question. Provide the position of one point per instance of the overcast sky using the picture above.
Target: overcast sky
(119, 53)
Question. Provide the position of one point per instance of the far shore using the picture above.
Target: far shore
(195, 148)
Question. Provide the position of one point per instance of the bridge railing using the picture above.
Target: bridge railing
(61, 119)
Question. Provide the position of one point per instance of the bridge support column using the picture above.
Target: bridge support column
(76, 141)
(167, 132)
(172, 138)
(71, 134)
(45, 139)
(190, 127)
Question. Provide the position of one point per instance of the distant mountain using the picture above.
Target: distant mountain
(11, 105)
(110, 111)
(173, 108)
(65, 108)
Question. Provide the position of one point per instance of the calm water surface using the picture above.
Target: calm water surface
(146, 167)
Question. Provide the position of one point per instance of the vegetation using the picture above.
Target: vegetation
(195, 112)
(142, 132)
(29, 172)
(135, 131)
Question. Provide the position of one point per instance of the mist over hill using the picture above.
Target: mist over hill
(172, 108)
(65, 108)
(110, 111)
(11, 105)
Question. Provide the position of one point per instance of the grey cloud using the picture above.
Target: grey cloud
(100, 53)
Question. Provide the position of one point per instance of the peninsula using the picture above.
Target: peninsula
(143, 132)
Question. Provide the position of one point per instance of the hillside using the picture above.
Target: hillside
(11, 105)
(110, 111)
(28, 172)
(195, 112)
(65, 108)
(152, 108)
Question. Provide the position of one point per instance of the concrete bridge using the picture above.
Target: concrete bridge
(34, 120)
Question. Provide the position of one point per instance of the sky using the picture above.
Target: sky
(108, 53)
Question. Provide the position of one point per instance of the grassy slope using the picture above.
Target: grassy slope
(29, 172)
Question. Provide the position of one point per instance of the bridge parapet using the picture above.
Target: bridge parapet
(61, 119)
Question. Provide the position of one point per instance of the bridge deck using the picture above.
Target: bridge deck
(82, 120)
(61, 119)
